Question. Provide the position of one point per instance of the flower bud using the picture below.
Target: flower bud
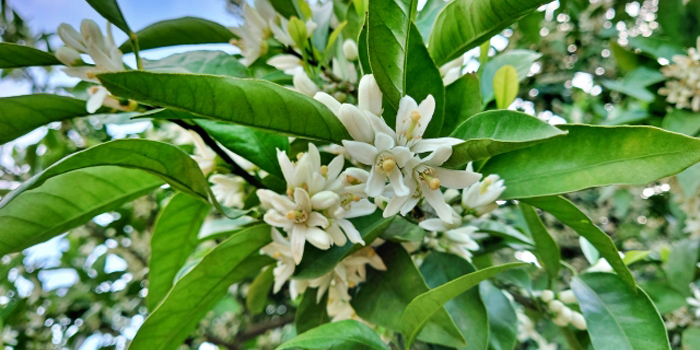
(567, 297)
(69, 56)
(324, 200)
(369, 95)
(92, 34)
(560, 321)
(555, 306)
(328, 101)
(297, 31)
(547, 295)
(304, 84)
(356, 123)
(578, 321)
(566, 314)
(289, 64)
(350, 49)
(71, 37)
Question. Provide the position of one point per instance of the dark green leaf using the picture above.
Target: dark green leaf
(467, 309)
(201, 288)
(180, 31)
(489, 133)
(462, 101)
(425, 305)
(109, 9)
(348, 334)
(680, 266)
(593, 156)
(174, 239)
(618, 317)
(256, 299)
(311, 314)
(17, 56)
(60, 204)
(202, 62)
(546, 247)
(362, 49)
(249, 102)
(384, 296)
(571, 216)
(503, 321)
(287, 8)
(465, 24)
(258, 147)
(317, 262)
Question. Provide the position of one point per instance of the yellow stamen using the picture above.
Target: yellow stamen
(485, 185)
(351, 284)
(277, 255)
(353, 180)
(299, 155)
(415, 117)
(290, 191)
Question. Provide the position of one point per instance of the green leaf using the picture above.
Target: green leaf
(287, 8)
(503, 321)
(256, 299)
(17, 56)
(249, 102)
(571, 216)
(180, 31)
(317, 262)
(617, 317)
(202, 62)
(489, 133)
(546, 247)
(634, 83)
(656, 47)
(22, 114)
(200, 289)
(505, 86)
(467, 310)
(465, 24)
(258, 147)
(589, 251)
(425, 305)
(311, 314)
(109, 9)
(624, 58)
(385, 295)
(348, 334)
(59, 205)
(427, 15)
(522, 60)
(665, 298)
(680, 266)
(593, 156)
(462, 101)
(689, 179)
(682, 121)
(173, 241)
(691, 339)
(389, 25)
(362, 49)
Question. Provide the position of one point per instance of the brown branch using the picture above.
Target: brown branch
(260, 328)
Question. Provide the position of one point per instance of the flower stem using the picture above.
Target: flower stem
(135, 44)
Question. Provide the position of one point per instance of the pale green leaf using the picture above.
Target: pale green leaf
(174, 239)
(202, 62)
(632, 256)
(17, 56)
(546, 247)
(349, 334)
(691, 339)
(522, 60)
(180, 31)
(505, 86)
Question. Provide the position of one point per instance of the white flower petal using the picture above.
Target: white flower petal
(429, 145)
(435, 225)
(356, 123)
(438, 157)
(301, 197)
(329, 101)
(456, 179)
(375, 183)
(361, 152)
(437, 201)
(362, 208)
(369, 95)
(337, 235)
(397, 182)
(317, 219)
(403, 116)
(350, 230)
(298, 241)
(318, 238)
(426, 109)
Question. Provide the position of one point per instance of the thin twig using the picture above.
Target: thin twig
(235, 168)
(260, 328)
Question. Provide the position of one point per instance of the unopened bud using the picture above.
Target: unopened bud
(578, 321)
(547, 295)
(567, 297)
(555, 306)
(69, 56)
(350, 49)
(71, 37)
(304, 84)
(324, 200)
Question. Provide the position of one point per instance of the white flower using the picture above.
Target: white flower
(103, 51)
(451, 71)
(350, 49)
(456, 239)
(304, 84)
(578, 321)
(480, 198)
(69, 56)
(254, 30)
(385, 159)
(683, 88)
(547, 295)
(203, 155)
(98, 94)
(289, 64)
(280, 249)
(9, 336)
(228, 190)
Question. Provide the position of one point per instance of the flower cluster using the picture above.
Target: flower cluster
(563, 315)
(683, 88)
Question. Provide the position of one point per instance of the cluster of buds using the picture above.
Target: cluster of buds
(563, 315)
(683, 87)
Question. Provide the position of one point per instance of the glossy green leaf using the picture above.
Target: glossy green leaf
(682, 121)
(59, 205)
(691, 339)
(317, 262)
(546, 247)
(462, 101)
(109, 9)
(680, 266)
(22, 114)
(201, 288)
(256, 299)
(618, 318)
(362, 50)
(249, 102)
(348, 334)
(467, 310)
(489, 133)
(593, 156)
(389, 25)
(180, 31)
(202, 62)
(257, 146)
(503, 321)
(425, 305)
(385, 295)
(465, 24)
(665, 298)
(17, 56)
(522, 60)
(173, 241)
(505, 86)
(427, 15)
(571, 216)
(311, 314)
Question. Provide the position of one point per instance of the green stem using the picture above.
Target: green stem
(135, 44)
